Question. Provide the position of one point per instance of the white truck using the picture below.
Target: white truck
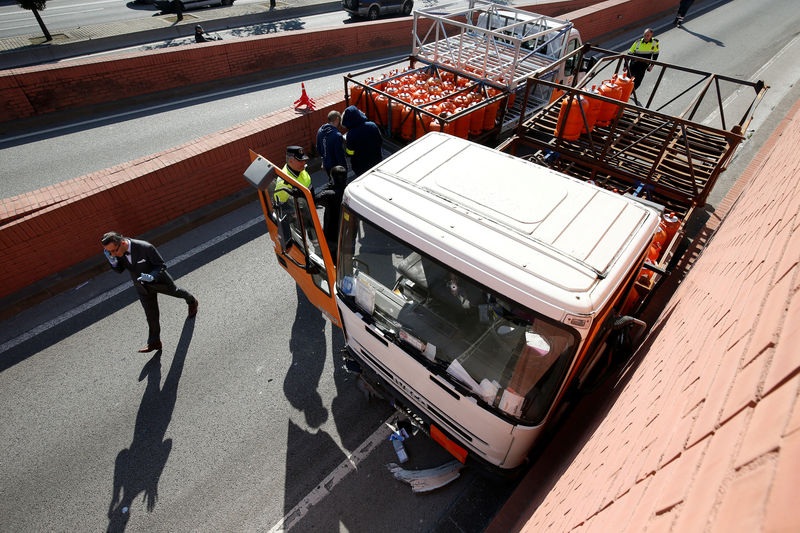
(474, 288)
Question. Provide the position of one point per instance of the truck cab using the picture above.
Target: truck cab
(474, 288)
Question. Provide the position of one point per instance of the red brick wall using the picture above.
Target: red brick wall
(69, 218)
(703, 431)
(36, 90)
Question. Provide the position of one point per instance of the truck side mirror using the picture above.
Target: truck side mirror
(588, 63)
(260, 173)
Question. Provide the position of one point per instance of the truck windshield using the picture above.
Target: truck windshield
(509, 358)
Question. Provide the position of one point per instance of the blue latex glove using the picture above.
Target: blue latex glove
(111, 258)
(145, 278)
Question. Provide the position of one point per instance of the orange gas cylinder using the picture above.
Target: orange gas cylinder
(627, 86)
(461, 128)
(405, 96)
(462, 82)
(382, 109)
(555, 94)
(449, 126)
(594, 107)
(670, 224)
(355, 94)
(608, 110)
(630, 301)
(476, 117)
(407, 123)
(570, 123)
(511, 98)
(397, 112)
(490, 114)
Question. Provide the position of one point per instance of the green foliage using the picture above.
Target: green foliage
(37, 5)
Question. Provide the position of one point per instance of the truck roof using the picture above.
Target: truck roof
(559, 243)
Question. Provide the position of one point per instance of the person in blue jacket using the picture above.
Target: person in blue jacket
(330, 143)
(363, 141)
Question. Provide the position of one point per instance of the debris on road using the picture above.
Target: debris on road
(428, 479)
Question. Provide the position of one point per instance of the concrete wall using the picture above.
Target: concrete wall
(141, 195)
(31, 91)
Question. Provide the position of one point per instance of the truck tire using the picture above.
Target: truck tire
(227, 2)
(407, 7)
(373, 13)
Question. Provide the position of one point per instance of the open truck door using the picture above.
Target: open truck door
(296, 232)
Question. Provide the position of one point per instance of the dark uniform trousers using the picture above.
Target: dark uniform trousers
(148, 295)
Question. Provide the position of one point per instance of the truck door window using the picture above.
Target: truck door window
(292, 214)
(503, 354)
(571, 63)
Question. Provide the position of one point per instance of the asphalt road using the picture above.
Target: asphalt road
(248, 422)
(66, 14)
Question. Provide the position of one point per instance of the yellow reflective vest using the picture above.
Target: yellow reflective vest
(281, 187)
(646, 49)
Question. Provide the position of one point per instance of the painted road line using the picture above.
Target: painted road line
(38, 330)
(326, 486)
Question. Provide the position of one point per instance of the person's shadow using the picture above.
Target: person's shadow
(309, 348)
(138, 468)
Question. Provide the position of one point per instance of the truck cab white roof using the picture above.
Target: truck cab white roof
(554, 243)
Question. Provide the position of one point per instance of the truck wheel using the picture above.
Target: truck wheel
(227, 2)
(373, 13)
(407, 7)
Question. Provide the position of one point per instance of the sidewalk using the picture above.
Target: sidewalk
(24, 50)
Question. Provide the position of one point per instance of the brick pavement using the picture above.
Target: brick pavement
(702, 434)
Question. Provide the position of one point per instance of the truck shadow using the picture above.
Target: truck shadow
(137, 469)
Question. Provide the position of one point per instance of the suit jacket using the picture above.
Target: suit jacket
(145, 259)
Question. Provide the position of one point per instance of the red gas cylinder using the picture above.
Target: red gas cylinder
(570, 123)
(670, 224)
(627, 86)
(608, 111)
(594, 106)
(476, 117)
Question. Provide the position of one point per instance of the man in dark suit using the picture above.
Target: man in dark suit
(150, 277)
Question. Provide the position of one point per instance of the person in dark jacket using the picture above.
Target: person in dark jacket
(150, 278)
(330, 143)
(363, 142)
(330, 197)
(201, 36)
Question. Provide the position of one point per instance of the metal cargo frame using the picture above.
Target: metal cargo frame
(671, 160)
(500, 55)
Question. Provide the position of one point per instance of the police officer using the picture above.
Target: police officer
(646, 47)
(296, 168)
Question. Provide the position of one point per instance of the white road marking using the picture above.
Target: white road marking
(326, 486)
(38, 330)
(755, 77)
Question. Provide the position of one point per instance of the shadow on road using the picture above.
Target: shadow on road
(138, 468)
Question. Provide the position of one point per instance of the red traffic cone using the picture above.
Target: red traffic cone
(304, 100)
